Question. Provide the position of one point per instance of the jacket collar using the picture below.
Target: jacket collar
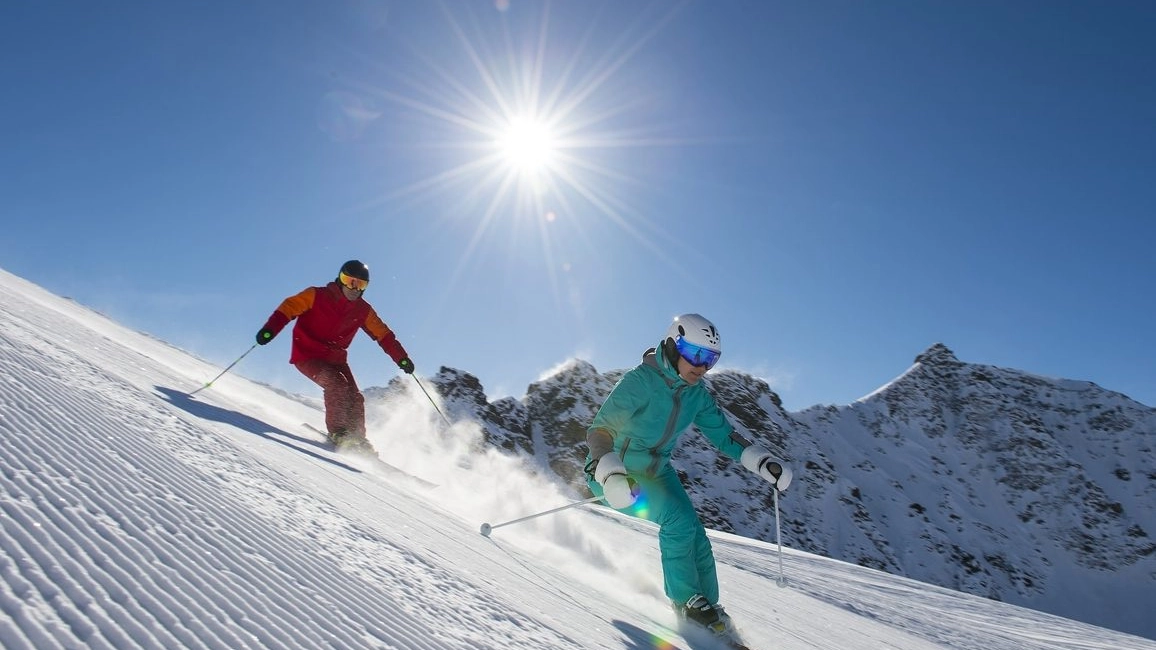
(334, 287)
(655, 359)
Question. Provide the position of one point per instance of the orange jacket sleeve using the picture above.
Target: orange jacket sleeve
(290, 308)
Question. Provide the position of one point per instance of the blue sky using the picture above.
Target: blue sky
(838, 185)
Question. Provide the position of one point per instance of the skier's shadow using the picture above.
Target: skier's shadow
(636, 637)
(182, 400)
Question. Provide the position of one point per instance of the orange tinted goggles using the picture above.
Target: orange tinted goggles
(357, 284)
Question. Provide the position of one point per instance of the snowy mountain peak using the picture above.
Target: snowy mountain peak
(989, 480)
(938, 355)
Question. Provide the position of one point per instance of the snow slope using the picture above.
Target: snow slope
(136, 516)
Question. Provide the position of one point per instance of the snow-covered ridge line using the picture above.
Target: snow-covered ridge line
(990, 480)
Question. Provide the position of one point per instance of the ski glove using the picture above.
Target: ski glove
(761, 462)
(611, 475)
(264, 336)
(406, 366)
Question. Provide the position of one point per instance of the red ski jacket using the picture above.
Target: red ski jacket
(327, 323)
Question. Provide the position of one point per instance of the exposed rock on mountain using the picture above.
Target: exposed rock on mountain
(988, 480)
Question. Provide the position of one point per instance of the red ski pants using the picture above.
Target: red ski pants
(344, 403)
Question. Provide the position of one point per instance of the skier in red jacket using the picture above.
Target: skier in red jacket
(328, 317)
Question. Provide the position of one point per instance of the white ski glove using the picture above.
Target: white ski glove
(761, 462)
(611, 475)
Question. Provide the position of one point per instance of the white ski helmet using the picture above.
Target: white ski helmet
(695, 339)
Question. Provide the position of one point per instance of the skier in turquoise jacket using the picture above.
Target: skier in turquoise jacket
(628, 465)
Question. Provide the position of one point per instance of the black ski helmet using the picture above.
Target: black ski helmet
(354, 269)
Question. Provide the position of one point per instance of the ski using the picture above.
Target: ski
(703, 638)
(369, 455)
(697, 637)
(684, 635)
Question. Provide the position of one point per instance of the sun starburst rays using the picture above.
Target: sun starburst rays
(529, 136)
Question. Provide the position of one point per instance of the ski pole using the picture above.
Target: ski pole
(782, 581)
(223, 371)
(486, 528)
(431, 401)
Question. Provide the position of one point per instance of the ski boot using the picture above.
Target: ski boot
(351, 443)
(700, 612)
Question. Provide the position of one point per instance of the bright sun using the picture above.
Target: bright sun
(534, 129)
(527, 146)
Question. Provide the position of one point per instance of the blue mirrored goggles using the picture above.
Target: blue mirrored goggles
(696, 355)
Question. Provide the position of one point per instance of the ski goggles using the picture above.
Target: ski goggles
(696, 355)
(350, 282)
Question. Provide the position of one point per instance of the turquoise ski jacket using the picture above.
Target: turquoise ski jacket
(651, 406)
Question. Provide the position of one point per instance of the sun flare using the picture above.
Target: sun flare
(525, 128)
(527, 146)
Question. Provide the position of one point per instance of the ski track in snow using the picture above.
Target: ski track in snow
(137, 517)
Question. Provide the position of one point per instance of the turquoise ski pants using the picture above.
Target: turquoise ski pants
(688, 566)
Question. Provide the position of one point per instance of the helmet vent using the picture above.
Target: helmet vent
(711, 334)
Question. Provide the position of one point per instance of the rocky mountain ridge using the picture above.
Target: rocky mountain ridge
(988, 480)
